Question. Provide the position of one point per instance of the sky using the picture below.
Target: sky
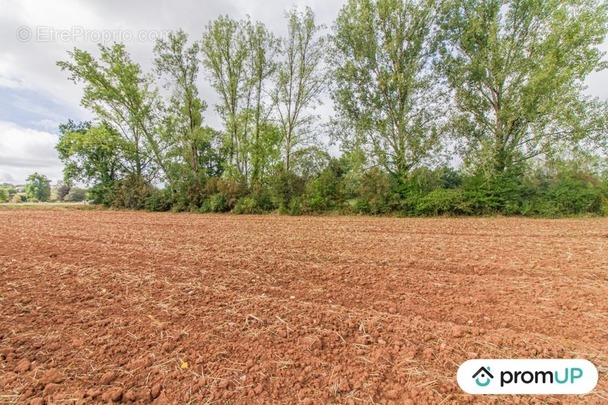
(36, 96)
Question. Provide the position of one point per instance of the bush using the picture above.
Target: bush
(565, 195)
(502, 193)
(295, 206)
(218, 202)
(246, 205)
(189, 192)
(231, 189)
(575, 196)
(131, 193)
(159, 200)
(19, 198)
(3, 195)
(441, 202)
(76, 195)
(62, 191)
(378, 193)
(264, 199)
(325, 193)
(284, 187)
(102, 194)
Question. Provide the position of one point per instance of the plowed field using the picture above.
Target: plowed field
(99, 307)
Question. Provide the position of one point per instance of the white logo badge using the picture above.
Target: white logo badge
(527, 376)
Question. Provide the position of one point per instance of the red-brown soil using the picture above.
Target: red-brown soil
(108, 306)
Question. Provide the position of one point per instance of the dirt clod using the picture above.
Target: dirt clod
(51, 388)
(113, 394)
(52, 376)
(155, 390)
(23, 366)
(107, 378)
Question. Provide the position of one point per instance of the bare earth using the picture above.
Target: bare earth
(108, 306)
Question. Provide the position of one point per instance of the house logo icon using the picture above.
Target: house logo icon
(483, 377)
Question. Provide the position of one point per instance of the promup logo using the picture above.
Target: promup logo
(537, 376)
(483, 374)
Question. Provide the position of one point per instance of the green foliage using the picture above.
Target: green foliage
(517, 69)
(229, 188)
(76, 195)
(159, 200)
(385, 89)
(325, 192)
(38, 187)
(92, 154)
(511, 72)
(295, 206)
(102, 193)
(239, 58)
(18, 198)
(574, 196)
(131, 193)
(569, 194)
(246, 205)
(3, 195)
(441, 202)
(284, 186)
(378, 193)
(218, 203)
(63, 190)
(9, 189)
(502, 193)
(125, 100)
(190, 154)
(189, 191)
(264, 198)
(299, 81)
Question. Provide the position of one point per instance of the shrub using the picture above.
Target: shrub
(159, 200)
(102, 193)
(218, 203)
(284, 187)
(575, 196)
(500, 193)
(325, 193)
(76, 195)
(295, 206)
(131, 193)
(189, 191)
(205, 207)
(263, 198)
(378, 193)
(441, 202)
(230, 189)
(62, 191)
(246, 205)
(19, 198)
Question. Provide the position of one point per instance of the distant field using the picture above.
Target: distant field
(49, 206)
(101, 306)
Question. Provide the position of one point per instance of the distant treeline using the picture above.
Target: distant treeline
(458, 107)
(38, 189)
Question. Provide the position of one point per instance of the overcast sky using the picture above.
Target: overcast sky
(35, 96)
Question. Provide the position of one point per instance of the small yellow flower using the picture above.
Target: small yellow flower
(185, 365)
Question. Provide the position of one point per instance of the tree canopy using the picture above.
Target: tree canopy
(38, 187)
(438, 107)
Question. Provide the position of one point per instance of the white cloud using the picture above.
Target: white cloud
(24, 151)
